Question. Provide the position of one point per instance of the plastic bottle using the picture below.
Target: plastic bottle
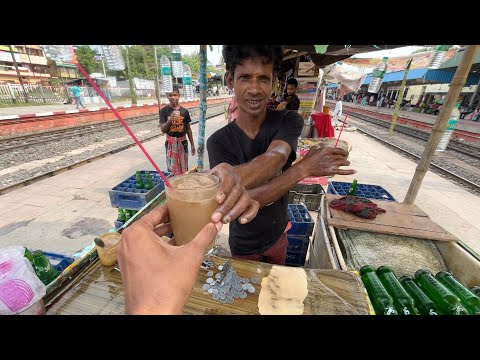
(187, 82)
(436, 58)
(469, 300)
(424, 305)
(139, 181)
(167, 84)
(452, 124)
(353, 189)
(447, 302)
(401, 300)
(382, 302)
(177, 64)
(378, 75)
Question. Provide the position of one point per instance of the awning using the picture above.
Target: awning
(445, 76)
(398, 76)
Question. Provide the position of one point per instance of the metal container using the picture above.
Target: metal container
(307, 128)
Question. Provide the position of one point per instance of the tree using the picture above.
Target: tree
(85, 56)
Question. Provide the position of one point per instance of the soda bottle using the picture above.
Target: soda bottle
(401, 300)
(148, 181)
(44, 270)
(377, 77)
(469, 300)
(177, 64)
(127, 215)
(167, 84)
(382, 302)
(353, 190)
(138, 180)
(447, 302)
(424, 305)
(437, 56)
(476, 290)
(132, 213)
(121, 215)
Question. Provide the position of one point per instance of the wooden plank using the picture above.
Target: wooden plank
(100, 291)
(390, 206)
(372, 227)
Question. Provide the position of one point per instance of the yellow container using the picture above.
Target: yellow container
(326, 110)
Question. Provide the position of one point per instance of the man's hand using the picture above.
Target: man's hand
(159, 277)
(325, 162)
(233, 198)
(193, 149)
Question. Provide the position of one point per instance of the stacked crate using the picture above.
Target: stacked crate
(299, 234)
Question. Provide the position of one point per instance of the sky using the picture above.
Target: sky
(401, 51)
(212, 56)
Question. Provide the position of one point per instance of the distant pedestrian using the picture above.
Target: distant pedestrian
(77, 94)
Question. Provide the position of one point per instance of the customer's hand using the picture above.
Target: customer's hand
(325, 162)
(159, 277)
(234, 200)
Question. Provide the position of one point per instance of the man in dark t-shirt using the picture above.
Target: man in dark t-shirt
(175, 123)
(290, 99)
(260, 144)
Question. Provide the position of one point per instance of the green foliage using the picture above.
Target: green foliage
(85, 56)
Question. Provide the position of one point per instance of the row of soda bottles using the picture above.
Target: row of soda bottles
(425, 294)
(42, 266)
(125, 214)
(145, 182)
(180, 70)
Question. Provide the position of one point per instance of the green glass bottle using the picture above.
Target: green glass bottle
(476, 290)
(44, 270)
(401, 300)
(28, 255)
(127, 215)
(353, 190)
(447, 302)
(469, 300)
(381, 301)
(148, 181)
(132, 213)
(424, 305)
(121, 215)
(138, 180)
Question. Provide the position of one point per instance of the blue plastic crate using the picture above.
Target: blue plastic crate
(125, 195)
(363, 190)
(302, 222)
(295, 258)
(59, 261)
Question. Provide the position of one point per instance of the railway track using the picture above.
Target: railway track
(455, 145)
(211, 112)
(438, 168)
(24, 141)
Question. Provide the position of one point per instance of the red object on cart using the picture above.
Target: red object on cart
(323, 124)
(321, 180)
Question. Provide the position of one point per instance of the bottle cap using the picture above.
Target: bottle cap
(443, 274)
(366, 269)
(421, 272)
(383, 269)
(405, 278)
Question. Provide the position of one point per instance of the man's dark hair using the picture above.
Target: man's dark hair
(292, 81)
(234, 54)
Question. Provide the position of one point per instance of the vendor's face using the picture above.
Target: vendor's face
(173, 97)
(252, 82)
(291, 89)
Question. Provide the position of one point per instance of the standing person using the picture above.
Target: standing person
(232, 111)
(261, 146)
(290, 99)
(337, 112)
(77, 94)
(175, 123)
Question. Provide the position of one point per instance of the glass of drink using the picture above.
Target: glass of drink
(191, 202)
(108, 253)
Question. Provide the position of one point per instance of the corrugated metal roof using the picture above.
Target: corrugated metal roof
(445, 76)
(398, 76)
(455, 61)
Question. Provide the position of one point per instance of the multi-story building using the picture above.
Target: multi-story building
(31, 63)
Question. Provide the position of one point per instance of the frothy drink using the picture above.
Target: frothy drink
(191, 203)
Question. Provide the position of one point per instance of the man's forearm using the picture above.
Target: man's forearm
(261, 169)
(277, 187)
(190, 136)
(165, 127)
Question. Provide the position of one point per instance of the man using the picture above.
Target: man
(261, 145)
(290, 100)
(78, 96)
(175, 123)
(337, 112)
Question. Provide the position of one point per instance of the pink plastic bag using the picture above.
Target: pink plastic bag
(20, 287)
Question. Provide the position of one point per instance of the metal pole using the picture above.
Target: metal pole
(203, 105)
(477, 91)
(18, 73)
(157, 81)
(440, 125)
